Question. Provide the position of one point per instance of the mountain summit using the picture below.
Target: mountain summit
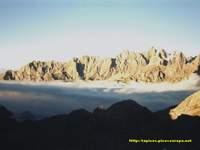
(151, 66)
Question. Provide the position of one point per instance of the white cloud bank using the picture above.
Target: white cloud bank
(46, 99)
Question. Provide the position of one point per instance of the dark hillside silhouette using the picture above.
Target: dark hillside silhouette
(107, 129)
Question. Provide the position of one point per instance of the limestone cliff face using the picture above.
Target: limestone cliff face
(151, 66)
(1, 76)
(190, 106)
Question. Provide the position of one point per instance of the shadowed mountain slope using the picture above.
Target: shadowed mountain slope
(108, 129)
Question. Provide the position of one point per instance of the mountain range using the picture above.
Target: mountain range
(151, 66)
(108, 129)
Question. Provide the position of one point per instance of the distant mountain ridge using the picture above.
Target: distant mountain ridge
(151, 66)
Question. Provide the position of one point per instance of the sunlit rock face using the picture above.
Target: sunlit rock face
(190, 106)
(2, 76)
(151, 66)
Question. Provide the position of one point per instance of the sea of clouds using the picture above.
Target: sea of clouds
(47, 99)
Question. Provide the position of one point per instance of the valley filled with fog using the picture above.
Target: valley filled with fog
(51, 98)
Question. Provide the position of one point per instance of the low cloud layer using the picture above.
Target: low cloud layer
(46, 99)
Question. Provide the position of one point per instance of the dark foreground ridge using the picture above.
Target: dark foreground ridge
(103, 129)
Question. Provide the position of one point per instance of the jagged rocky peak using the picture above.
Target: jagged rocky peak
(156, 57)
(94, 68)
(195, 60)
(9, 75)
(129, 62)
(151, 66)
(152, 52)
(179, 59)
(163, 54)
(190, 106)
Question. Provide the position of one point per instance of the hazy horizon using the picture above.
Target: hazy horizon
(59, 29)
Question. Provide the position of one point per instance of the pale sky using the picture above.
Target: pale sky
(62, 29)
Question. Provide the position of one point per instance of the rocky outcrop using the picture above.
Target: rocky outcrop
(151, 66)
(2, 76)
(190, 106)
